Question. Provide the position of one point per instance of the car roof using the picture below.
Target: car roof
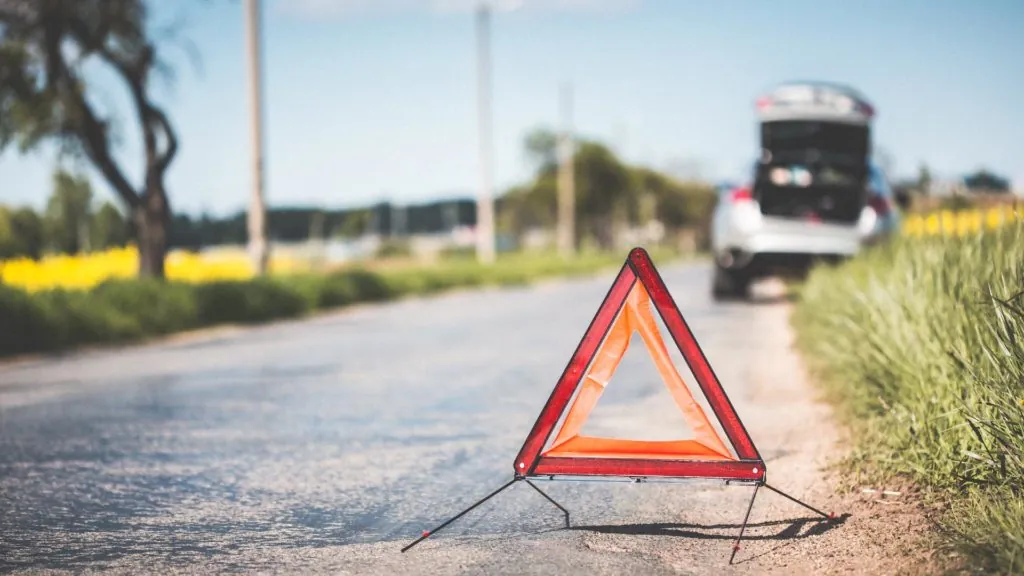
(828, 101)
(832, 86)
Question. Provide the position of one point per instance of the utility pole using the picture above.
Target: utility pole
(566, 179)
(257, 217)
(485, 202)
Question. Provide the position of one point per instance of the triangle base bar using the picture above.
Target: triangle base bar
(757, 485)
(711, 469)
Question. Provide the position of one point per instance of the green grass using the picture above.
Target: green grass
(921, 345)
(127, 310)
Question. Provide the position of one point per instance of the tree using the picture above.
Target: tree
(609, 193)
(528, 206)
(21, 233)
(605, 193)
(679, 203)
(109, 229)
(45, 48)
(8, 243)
(68, 213)
(542, 149)
(985, 181)
(355, 224)
(604, 190)
(29, 233)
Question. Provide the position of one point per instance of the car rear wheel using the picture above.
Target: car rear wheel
(730, 284)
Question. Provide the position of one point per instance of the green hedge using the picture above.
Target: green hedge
(921, 343)
(124, 310)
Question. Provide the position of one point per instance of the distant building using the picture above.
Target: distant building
(444, 216)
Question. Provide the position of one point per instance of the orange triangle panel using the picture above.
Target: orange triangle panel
(627, 309)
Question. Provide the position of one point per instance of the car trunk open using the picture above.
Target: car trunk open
(813, 170)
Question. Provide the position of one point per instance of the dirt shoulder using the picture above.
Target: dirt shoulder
(881, 533)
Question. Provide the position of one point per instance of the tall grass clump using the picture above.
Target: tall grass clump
(921, 344)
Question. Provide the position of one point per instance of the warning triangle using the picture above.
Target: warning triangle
(556, 446)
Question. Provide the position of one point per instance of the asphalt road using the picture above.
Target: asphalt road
(328, 444)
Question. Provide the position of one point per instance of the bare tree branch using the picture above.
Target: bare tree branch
(151, 117)
(172, 141)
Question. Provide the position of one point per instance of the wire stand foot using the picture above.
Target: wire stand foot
(743, 528)
(800, 502)
(552, 500)
(429, 533)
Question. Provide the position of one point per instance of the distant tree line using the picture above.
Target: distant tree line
(610, 193)
(71, 223)
(981, 181)
(984, 181)
(301, 224)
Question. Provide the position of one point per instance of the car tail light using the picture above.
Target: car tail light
(742, 194)
(880, 205)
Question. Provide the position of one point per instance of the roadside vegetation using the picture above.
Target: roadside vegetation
(921, 345)
(123, 310)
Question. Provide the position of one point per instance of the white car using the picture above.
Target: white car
(814, 196)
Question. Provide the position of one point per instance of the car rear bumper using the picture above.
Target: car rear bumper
(788, 263)
(845, 242)
(784, 263)
(794, 237)
(776, 245)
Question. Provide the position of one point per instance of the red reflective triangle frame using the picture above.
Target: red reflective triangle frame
(530, 462)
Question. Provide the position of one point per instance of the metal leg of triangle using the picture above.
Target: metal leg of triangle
(736, 547)
(800, 502)
(746, 518)
(550, 499)
(430, 533)
(743, 528)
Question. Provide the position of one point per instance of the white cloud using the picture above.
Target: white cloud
(342, 8)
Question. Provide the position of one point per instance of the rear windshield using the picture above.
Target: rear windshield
(786, 175)
(845, 143)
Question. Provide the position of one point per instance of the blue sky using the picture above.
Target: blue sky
(372, 100)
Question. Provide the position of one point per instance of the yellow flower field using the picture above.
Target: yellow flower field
(87, 270)
(960, 223)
